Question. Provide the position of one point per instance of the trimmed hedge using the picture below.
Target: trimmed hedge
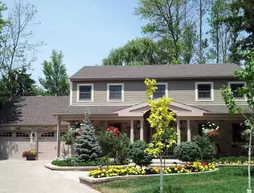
(90, 163)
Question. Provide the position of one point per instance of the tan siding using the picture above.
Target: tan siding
(134, 92)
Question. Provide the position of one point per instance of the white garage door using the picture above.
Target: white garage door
(47, 146)
(13, 144)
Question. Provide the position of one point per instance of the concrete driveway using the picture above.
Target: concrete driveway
(18, 176)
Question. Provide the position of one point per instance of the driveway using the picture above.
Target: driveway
(18, 176)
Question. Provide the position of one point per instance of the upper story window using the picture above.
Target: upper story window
(161, 90)
(85, 92)
(115, 92)
(235, 86)
(204, 91)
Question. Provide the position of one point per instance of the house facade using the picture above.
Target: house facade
(116, 96)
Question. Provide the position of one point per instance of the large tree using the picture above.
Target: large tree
(140, 51)
(17, 51)
(167, 21)
(220, 35)
(56, 79)
(241, 24)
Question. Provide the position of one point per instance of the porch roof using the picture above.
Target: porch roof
(219, 109)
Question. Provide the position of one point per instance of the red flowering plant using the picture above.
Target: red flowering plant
(210, 129)
(113, 131)
(29, 154)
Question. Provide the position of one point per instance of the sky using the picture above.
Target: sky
(84, 30)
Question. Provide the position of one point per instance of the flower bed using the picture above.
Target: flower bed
(124, 171)
(234, 160)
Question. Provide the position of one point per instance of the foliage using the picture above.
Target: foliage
(167, 21)
(206, 147)
(241, 24)
(29, 154)
(75, 162)
(187, 151)
(123, 171)
(114, 144)
(234, 160)
(86, 145)
(56, 80)
(140, 51)
(137, 154)
(160, 119)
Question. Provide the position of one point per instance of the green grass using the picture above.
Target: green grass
(226, 180)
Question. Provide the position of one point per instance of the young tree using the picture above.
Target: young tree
(160, 118)
(87, 145)
(246, 74)
(56, 79)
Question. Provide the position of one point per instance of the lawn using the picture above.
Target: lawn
(226, 180)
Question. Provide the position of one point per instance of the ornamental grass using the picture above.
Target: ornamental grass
(124, 171)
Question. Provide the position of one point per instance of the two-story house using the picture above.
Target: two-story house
(116, 95)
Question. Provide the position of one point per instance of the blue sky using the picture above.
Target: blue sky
(85, 30)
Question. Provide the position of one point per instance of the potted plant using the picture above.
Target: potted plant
(30, 155)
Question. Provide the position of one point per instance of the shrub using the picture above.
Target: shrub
(115, 146)
(138, 155)
(206, 147)
(187, 151)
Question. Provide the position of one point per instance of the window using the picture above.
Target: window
(161, 90)
(237, 133)
(6, 134)
(62, 134)
(204, 91)
(235, 86)
(85, 92)
(20, 134)
(50, 134)
(115, 92)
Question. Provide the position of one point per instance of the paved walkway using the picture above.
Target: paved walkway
(18, 176)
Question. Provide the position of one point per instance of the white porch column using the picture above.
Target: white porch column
(58, 136)
(37, 142)
(141, 130)
(188, 131)
(132, 131)
(178, 132)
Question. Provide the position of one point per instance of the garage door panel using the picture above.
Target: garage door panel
(47, 146)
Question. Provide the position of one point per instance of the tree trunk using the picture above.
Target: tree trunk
(161, 175)
(249, 162)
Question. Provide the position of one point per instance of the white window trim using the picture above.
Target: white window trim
(92, 93)
(115, 84)
(70, 82)
(196, 91)
(238, 82)
(166, 87)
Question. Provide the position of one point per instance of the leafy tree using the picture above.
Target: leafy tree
(138, 155)
(87, 146)
(140, 51)
(246, 74)
(56, 79)
(241, 24)
(160, 118)
(166, 22)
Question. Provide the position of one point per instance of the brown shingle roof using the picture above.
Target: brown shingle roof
(39, 110)
(189, 71)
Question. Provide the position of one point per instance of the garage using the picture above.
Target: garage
(47, 145)
(13, 144)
